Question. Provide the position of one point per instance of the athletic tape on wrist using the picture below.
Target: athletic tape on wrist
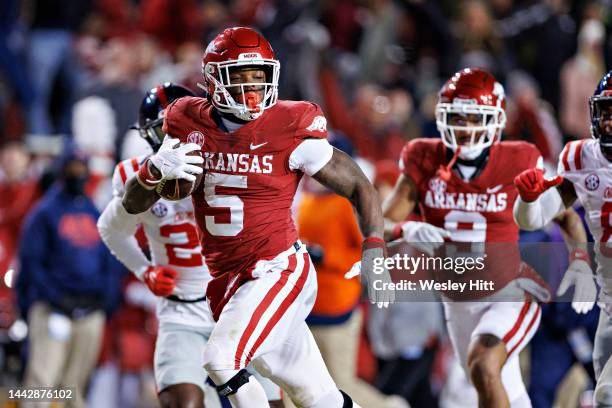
(579, 253)
(145, 178)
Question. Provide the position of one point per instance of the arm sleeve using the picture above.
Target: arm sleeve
(535, 215)
(310, 156)
(117, 228)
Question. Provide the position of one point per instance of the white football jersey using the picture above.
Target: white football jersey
(582, 163)
(172, 234)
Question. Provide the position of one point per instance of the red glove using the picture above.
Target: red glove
(160, 279)
(531, 183)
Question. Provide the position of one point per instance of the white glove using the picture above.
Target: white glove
(424, 236)
(173, 161)
(389, 295)
(579, 275)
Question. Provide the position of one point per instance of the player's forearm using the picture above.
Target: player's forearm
(572, 229)
(534, 215)
(138, 199)
(344, 177)
(398, 206)
(365, 200)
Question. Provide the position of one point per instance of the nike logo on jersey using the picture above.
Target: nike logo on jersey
(253, 147)
(495, 189)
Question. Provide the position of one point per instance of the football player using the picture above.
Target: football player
(254, 151)
(584, 173)
(463, 184)
(176, 272)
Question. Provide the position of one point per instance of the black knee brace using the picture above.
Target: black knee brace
(232, 386)
(348, 402)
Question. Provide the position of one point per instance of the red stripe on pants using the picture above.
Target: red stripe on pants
(261, 308)
(297, 289)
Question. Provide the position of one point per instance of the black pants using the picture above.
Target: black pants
(409, 379)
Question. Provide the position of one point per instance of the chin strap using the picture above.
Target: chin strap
(444, 172)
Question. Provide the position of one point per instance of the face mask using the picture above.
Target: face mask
(75, 185)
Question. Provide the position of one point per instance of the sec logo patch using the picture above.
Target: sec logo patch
(437, 185)
(591, 182)
(196, 137)
(159, 209)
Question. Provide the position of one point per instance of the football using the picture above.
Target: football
(178, 189)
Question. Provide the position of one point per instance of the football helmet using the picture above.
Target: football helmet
(470, 104)
(150, 114)
(599, 104)
(240, 47)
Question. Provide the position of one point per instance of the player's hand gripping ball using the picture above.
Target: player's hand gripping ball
(181, 167)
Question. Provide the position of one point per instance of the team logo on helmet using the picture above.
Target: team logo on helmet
(196, 137)
(437, 185)
(159, 209)
(591, 182)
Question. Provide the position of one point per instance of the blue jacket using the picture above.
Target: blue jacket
(62, 256)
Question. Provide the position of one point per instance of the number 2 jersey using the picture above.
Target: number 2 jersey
(243, 204)
(172, 235)
(478, 210)
(582, 163)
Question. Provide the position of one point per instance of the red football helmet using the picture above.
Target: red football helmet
(476, 93)
(239, 47)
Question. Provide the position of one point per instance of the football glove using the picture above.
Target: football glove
(531, 183)
(424, 236)
(160, 280)
(580, 276)
(174, 162)
(372, 249)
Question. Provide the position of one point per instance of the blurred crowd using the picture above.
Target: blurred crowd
(73, 73)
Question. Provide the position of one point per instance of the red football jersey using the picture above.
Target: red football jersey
(243, 205)
(479, 210)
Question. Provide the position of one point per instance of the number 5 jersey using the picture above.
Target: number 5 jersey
(243, 204)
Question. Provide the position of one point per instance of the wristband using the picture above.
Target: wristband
(373, 242)
(145, 178)
(581, 254)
